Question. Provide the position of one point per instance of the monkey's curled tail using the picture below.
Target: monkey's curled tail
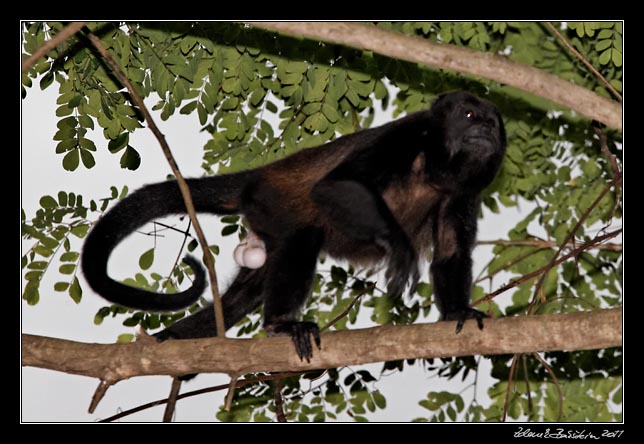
(215, 195)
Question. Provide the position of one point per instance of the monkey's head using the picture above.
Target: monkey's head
(473, 135)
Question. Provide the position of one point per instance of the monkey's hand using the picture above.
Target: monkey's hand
(460, 316)
(300, 332)
(402, 268)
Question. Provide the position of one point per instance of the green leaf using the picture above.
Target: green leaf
(130, 159)
(229, 229)
(67, 268)
(146, 259)
(80, 231)
(116, 145)
(87, 144)
(48, 202)
(48, 242)
(125, 338)
(37, 265)
(62, 198)
(64, 110)
(87, 158)
(424, 289)
(31, 294)
(379, 399)
(189, 107)
(46, 80)
(330, 113)
(86, 121)
(75, 291)
(71, 160)
(316, 122)
(617, 58)
(67, 145)
(69, 256)
(43, 251)
(61, 286)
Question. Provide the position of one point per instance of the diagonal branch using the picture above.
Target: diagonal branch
(50, 44)
(586, 246)
(583, 60)
(183, 186)
(519, 334)
(475, 63)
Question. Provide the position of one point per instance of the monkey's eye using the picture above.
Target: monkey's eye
(470, 115)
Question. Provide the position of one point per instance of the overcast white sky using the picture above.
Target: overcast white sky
(52, 396)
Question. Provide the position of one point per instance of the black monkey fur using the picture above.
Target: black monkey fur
(387, 193)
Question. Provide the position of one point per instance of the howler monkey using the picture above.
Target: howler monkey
(382, 194)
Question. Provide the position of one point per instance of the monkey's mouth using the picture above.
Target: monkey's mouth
(485, 140)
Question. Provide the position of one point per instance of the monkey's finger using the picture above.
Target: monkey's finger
(415, 279)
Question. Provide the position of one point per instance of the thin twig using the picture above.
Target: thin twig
(183, 186)
(524, 359)
(568, 238)
(172, 400)
(50, 44)
(231, 392)
(346, 310)
(583, 59)
(513, 368)
(544, 244)
(99, 393)
(216, 388)
(603, 143)
(556, 382)
(522, 279)
(279, 400)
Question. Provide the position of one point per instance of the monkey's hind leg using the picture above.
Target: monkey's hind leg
(291, 268)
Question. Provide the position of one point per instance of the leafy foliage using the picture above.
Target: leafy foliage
(262, 96)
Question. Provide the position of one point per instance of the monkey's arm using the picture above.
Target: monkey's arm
(361, 214)
(454, 235)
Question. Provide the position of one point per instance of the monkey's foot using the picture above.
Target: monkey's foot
(462, 315)
(300, 332)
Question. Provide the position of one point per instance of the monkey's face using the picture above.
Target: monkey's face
(470, 124)
(473, 135)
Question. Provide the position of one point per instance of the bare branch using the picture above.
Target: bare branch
(99, 393)
(568, 238)
(240, 384)
(50, 44)
(539, 243)
(172, 400)
(522, 334)
(603, 144)
(183, 186)
(231, 392)
(586, 246)
(279, 400)
(583, 60)
(455, 58)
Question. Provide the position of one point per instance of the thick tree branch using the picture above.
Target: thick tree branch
(454, 58)
(522, 334)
